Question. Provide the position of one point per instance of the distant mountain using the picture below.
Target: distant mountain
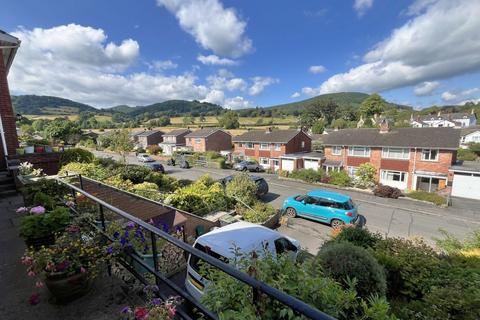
(47, 105)
(123, 108)
(345, 100)
(177, 108)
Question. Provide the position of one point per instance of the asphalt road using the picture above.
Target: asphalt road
(390, 217)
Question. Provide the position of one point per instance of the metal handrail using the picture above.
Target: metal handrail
(292, 302)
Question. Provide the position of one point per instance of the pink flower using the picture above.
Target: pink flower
(39, 284)
(22, 210)
(171, 311)
(37, 210)
(141, 313)
(34, 299)
(31, 273)
(26, 260)
(83, 270)
(70, 204)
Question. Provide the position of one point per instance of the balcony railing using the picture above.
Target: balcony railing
(258, 287)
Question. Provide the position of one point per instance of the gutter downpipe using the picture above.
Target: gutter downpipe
(414, 168)
(4, 142)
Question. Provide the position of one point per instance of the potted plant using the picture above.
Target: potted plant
(39, 149)
(27, 170)
(68, 267)
(155, 309)
(55, 149)
(29, 149)
(48, 149)
(38, 227)
(20, 151)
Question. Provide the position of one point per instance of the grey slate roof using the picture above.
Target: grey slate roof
(446, 116)
(444, 138)
(176, 132)
(276, 136)
(148, 133)
(469, 166)
(203, 133)
(466, 131)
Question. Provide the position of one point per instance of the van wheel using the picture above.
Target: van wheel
(292, 213)
(335, 223)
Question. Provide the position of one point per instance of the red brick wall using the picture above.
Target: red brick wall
(197, 147)
(356, 161)
(49, 162)
(8, 117)
(218, 141)
(398, 165)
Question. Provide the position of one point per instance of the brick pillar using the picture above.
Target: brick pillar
(8, 117)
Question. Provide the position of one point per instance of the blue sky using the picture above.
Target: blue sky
(245, 53)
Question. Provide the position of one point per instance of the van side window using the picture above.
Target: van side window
(282, 245)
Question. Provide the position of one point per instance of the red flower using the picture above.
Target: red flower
(34, 299)
(141, 313)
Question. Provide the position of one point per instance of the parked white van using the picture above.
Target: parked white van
(245, 237)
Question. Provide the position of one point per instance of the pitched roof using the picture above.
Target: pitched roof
(176, 132)
(148, 133)
(446, 116)
(203, 133)
(445, 138)
(10, 44)
(467, 131)
(275, 136)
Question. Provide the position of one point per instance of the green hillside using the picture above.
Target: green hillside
(47, 105)
(178, 107)
(123, 108)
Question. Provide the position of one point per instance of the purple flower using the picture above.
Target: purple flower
(22, 210)
(37, 210)
(156, 301)
(164, 227)
(116, 234)
(126, 309)
(34, 299)
(110, 250)
(123, 241)
(130, 225)
(62, 266)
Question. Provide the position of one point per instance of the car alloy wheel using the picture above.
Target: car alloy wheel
(292, 213)
(257, 169)
(244, 169)
(335, 223)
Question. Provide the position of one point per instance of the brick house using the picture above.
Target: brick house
(149, 138)
(174, 140)
(274, 149)
(209, 139)
(8, 131)
(456, 120)
(406, 158)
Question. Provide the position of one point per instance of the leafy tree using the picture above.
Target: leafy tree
(121, 143)
(242, 189)
(39, 125)
(365, 176)
(318, 127)
(229, 120)
(202, 118)
(374, 104)
(61, 129)
(187, 120)
(27, 129)
(466, 155)
(340, 123)
(475, 147)
(319, 109)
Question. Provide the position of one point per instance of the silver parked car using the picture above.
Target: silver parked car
(144, 158)
(248, 166)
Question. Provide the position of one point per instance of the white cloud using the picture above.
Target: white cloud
(215, 96)
(426, 88)
(213, 26)
(225, 80)
(362, 6)
(75, 62)
(441, 42)
(295, 95)
(317, 69)
(259, 84)
(237, 102)
(461, 96)
(309, 91)
(214, 60)
(163, 65)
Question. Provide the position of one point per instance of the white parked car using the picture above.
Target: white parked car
(144, 158)
(245, 237)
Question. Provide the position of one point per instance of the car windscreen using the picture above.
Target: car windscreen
(196, 262)
(300, 197)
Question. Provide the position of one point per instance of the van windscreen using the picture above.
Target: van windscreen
(195, 261)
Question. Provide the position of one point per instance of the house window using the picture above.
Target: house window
(351, 171)
(278, 146)
(337, 150)
(396, 153)
(249, 145)
(393, 175)
(264, 161)
(264, 146)
(359, 151)
(198, 140)
(303, 144)
(430, 154)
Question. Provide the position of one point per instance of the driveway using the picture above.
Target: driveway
(390, 217)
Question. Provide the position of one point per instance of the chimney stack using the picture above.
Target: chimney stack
(384, 126)
(269, 130)
(439, 113)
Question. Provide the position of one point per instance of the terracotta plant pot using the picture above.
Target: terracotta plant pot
(37, 243)
(39, 149)
(66, 289)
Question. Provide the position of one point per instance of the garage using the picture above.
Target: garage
(311, 164)
(313, 160)
(466, 180)
(288, 164)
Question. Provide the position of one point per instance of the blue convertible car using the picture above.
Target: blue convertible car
(330, 207)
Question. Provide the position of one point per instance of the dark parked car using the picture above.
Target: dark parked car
(262, 185)
(157, 167)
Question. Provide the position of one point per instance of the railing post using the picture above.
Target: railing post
(155, 255)
(102, 221)
(80, 180)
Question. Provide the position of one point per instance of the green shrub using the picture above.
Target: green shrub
(87, 143)
(427, 196)
(345, 261)
(42, 225)
(466, 155)
(163, 181)
(242, 189)
(358, 236)
(258, 213)
(153, 149)
(452, 245)
(308, 175)
(49, 187)
(340, 178)
(76, 155)
(134, 173)
(44, 200)
(365, 176)
(411, 266)
(283, 173)
(90, 170)
(387, 192)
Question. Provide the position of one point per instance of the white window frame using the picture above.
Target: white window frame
(385, 174)
(366, 151)
(351, 171)
(337, 150)
(303, 144)
(262, 159)
(198, 140)
(264, 146)
(430, 154)
(278, 147)
(387, 153)
(249, 145)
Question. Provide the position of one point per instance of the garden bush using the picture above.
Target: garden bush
(44, 200)
(76, 155)
(466, 155)
(387, 192)
(365, 176)
(90, 170)
(153, 149)
(242, 189)
(258, 213)
(49, 187)
(41, 225)
(148, 190)
(428, 196)
(134, 173)
(358, 236)
(340, 178)
(308, 175)
(163, 181)
(345, 261)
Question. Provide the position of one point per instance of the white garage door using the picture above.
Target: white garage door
(466, 185)
(310, 164)
(288, 165)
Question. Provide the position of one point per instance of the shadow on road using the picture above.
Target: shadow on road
(270, 197)
(362, 221)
